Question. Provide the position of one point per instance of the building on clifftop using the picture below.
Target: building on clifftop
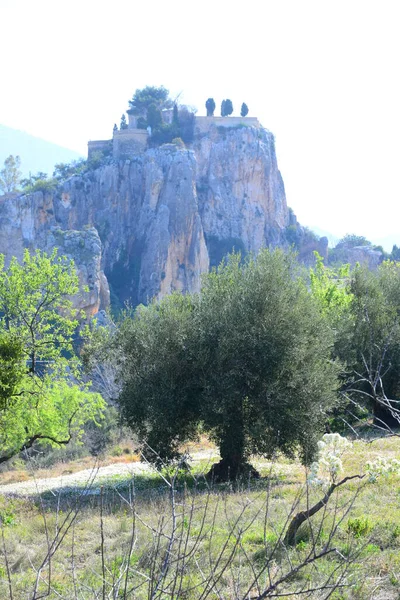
(129, 142)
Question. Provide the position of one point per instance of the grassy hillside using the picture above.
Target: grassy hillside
(206, 541)
(36, 154)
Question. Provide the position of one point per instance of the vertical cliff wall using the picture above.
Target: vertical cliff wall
(154, 223)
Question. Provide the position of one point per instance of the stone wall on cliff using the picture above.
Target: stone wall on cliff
(154, 223)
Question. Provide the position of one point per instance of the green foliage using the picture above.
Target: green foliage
(38, 398)
(154, 117)
(210, 106)
(186, 124)
(219, 248)
(248, 359)
(175, 116)
(351, 240)
(363, 309)
(123, 123)
(163, 133)
(63, 171)
(142, 99)
(331, 288)
(10, 175)
(339, 253)
(141, 123)
(395, 254)
(226, 108)
(359, 526)
(244, 111)
(29, 181)
(293, 235)
(148, 104)
(373, 348)
(40, 184)
(12, 369)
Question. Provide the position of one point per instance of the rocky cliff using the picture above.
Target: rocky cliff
(155, 223)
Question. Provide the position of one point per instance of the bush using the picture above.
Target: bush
(42, 185)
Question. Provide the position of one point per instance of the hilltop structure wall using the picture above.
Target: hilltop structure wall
(128, 142)
(132, 141)
(99, 146)
(204, 124)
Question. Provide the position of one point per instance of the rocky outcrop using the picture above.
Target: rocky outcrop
(29, 222)
(364, 255)
(241, 192)
(155, 223)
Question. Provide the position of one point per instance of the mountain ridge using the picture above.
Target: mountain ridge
(36, 153)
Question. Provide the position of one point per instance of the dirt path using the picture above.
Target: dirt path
(80, 478)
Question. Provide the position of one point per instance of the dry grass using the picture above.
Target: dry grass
(373, 526)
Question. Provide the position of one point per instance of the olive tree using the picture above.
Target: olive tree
(248, 359)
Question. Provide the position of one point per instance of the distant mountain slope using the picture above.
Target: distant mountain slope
(36, 154)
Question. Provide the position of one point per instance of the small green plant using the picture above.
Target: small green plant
(359, 526)
(7, 517)
(117, 451)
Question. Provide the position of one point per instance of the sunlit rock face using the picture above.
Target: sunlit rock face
(241, 192)
(144, 227)
(29, 222)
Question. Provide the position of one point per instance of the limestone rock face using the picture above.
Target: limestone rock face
(147, 226)
(29, 222)
(84, 247)
(365, 255)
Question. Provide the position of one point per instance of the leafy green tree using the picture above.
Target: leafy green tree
(123, 124)
(249, 359)
(332, 289)
(154, 117)
(63, 171)
(210, 106)
(29, 181)
(10, 175)
(186, 124)
(143, 98)
(351, 240)
(395, 254)
(41, 394)
(115, 128)
(141, 123)
(363, 310)
(371, 349)
(244, 111)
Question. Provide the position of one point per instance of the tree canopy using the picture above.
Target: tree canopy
(363, 310)
(210, 106)
(10, 175)
(244, 110)
(145, 97)
(41, 393)
(248, 359)
(226, 108)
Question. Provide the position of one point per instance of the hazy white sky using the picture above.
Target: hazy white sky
(322, 75)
